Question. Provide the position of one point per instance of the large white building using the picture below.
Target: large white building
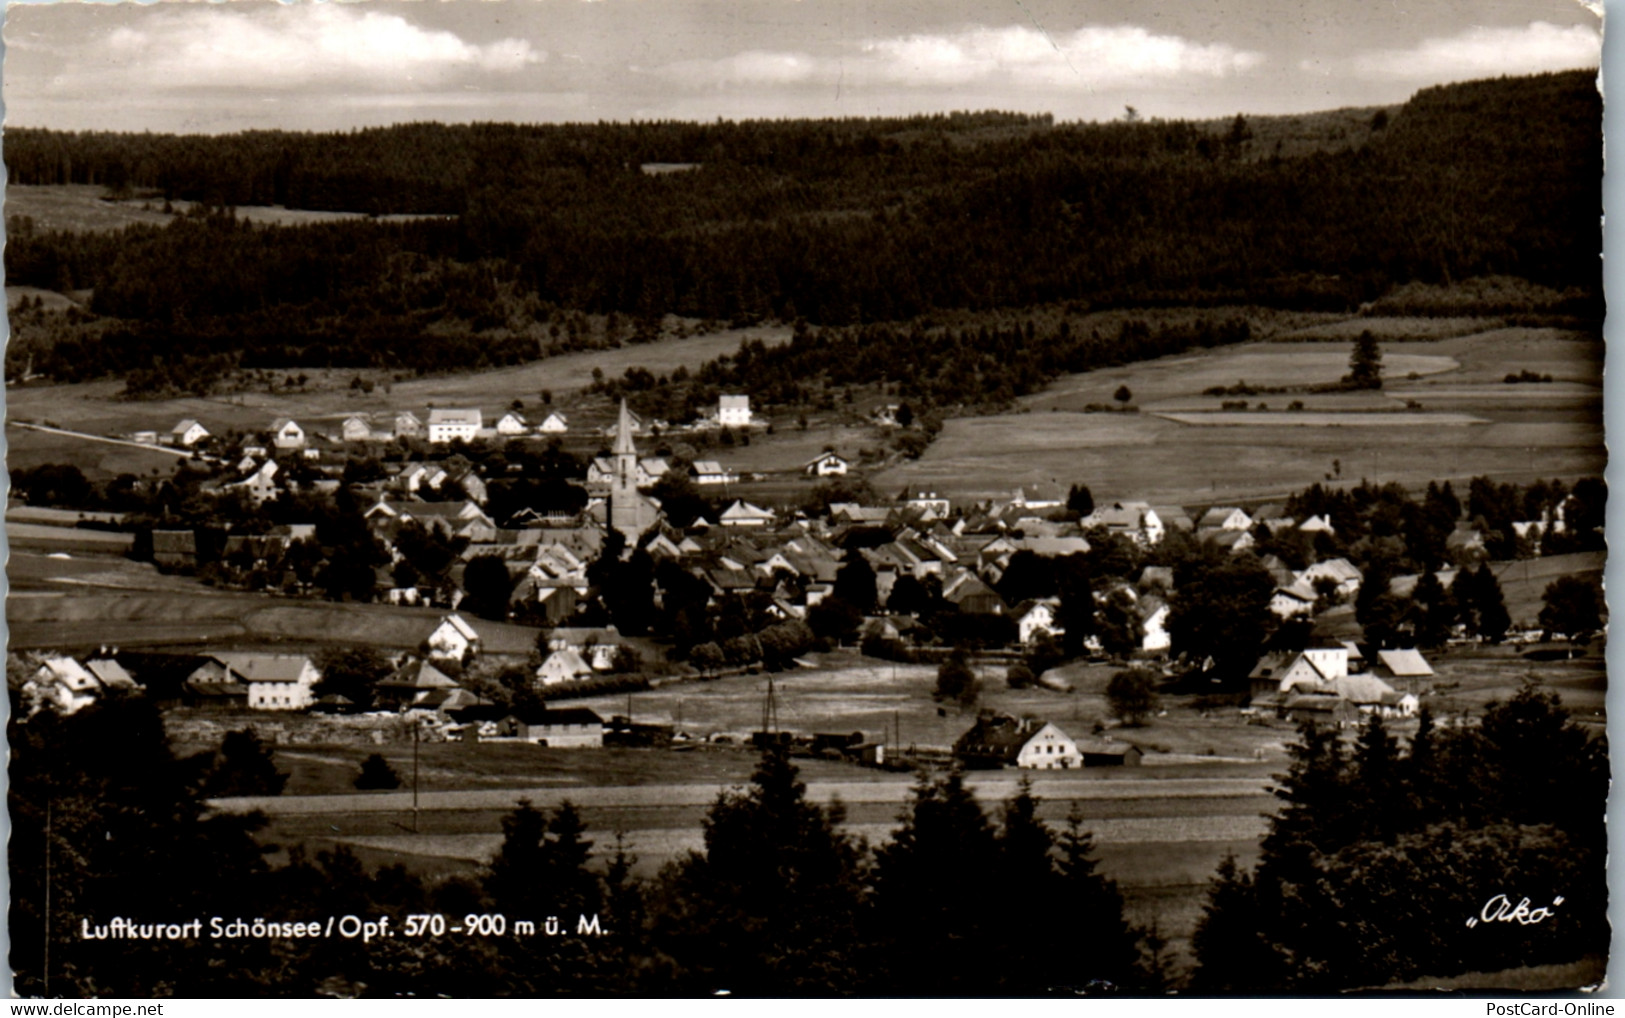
(450, 425)
(733, 411)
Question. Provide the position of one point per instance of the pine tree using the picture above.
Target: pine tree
(932, 930)
(376, 773)
(770, 907)
(1493, 620)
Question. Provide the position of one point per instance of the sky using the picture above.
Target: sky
(219, 67)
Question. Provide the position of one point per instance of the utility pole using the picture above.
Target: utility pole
(414, 775)
(47, 894)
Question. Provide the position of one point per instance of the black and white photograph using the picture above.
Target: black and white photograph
(805, 499)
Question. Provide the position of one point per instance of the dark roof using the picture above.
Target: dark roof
(564, 716)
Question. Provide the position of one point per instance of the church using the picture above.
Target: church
(630, 511)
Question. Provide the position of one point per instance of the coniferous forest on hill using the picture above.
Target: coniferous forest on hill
(837, 223)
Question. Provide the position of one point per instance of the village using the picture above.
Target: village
(622, 593)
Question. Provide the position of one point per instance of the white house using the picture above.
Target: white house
(356, 428)
(453, 639)
(450, 425)
(287, 434)
(733, 411)
(828, 464)
(62, 682)
(407, 425)
(1136, 521)
(1225, 518)
(1298, 599)
(188, 433)
(711, 472)
(1034, 618)
(1029, 744)
(274, 681)
(1154, 638)
(1340, 571)
(556, 424)
(261, 484)
(743, 514)
(512, 423)
(564, 665)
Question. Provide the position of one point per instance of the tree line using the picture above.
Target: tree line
(839, 223)
(1385, 861)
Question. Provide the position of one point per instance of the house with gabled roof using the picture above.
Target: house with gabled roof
(1154, 636)
(1224, 517)
(828, 463)
(274, 681)
(407, 425)
(418, 683)
(1136, 521)
(711, 472)
(453, 639)
(744, 514)
(512, 423)
(287, 434)
(188, 433)
(356, 428)
(554, 424)
(563, 665)
(1345, 574)
(1036, 618)
(1029, 743)
(1296, 599)
(450, 425)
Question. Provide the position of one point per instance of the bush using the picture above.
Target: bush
(1019, 677)
(376, 773)
(1131, 695)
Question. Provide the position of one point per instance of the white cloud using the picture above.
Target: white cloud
(285, 47)
(1487, 52)
(1092, 57)
(1089, 58)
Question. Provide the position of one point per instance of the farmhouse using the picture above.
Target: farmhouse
(563, 665)
(1035, 618)
(451, 425)
(1000, 740)
(555, 424)
(261, 484)
(711, 472)
(1297, 599)
(415, 684)
(188, 433)
(356, 428)
(512, 423)
(1339, 571)
(733, 411)
(407, 425)
(1136, 521)
(287, 434)
(66, 685)
(1153, 612)
(274, 681)
(827, 464)
(570, 728)
(453, 639)
(1224, 518)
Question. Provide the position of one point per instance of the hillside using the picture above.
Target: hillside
(835, 222)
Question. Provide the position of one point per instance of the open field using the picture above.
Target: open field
(1050, 444)
(80, 208)
(94, 407)
(179, 612)
(1310, 419)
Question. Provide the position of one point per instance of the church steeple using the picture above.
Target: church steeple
(623, 433)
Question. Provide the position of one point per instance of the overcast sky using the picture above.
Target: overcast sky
(195, 67)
